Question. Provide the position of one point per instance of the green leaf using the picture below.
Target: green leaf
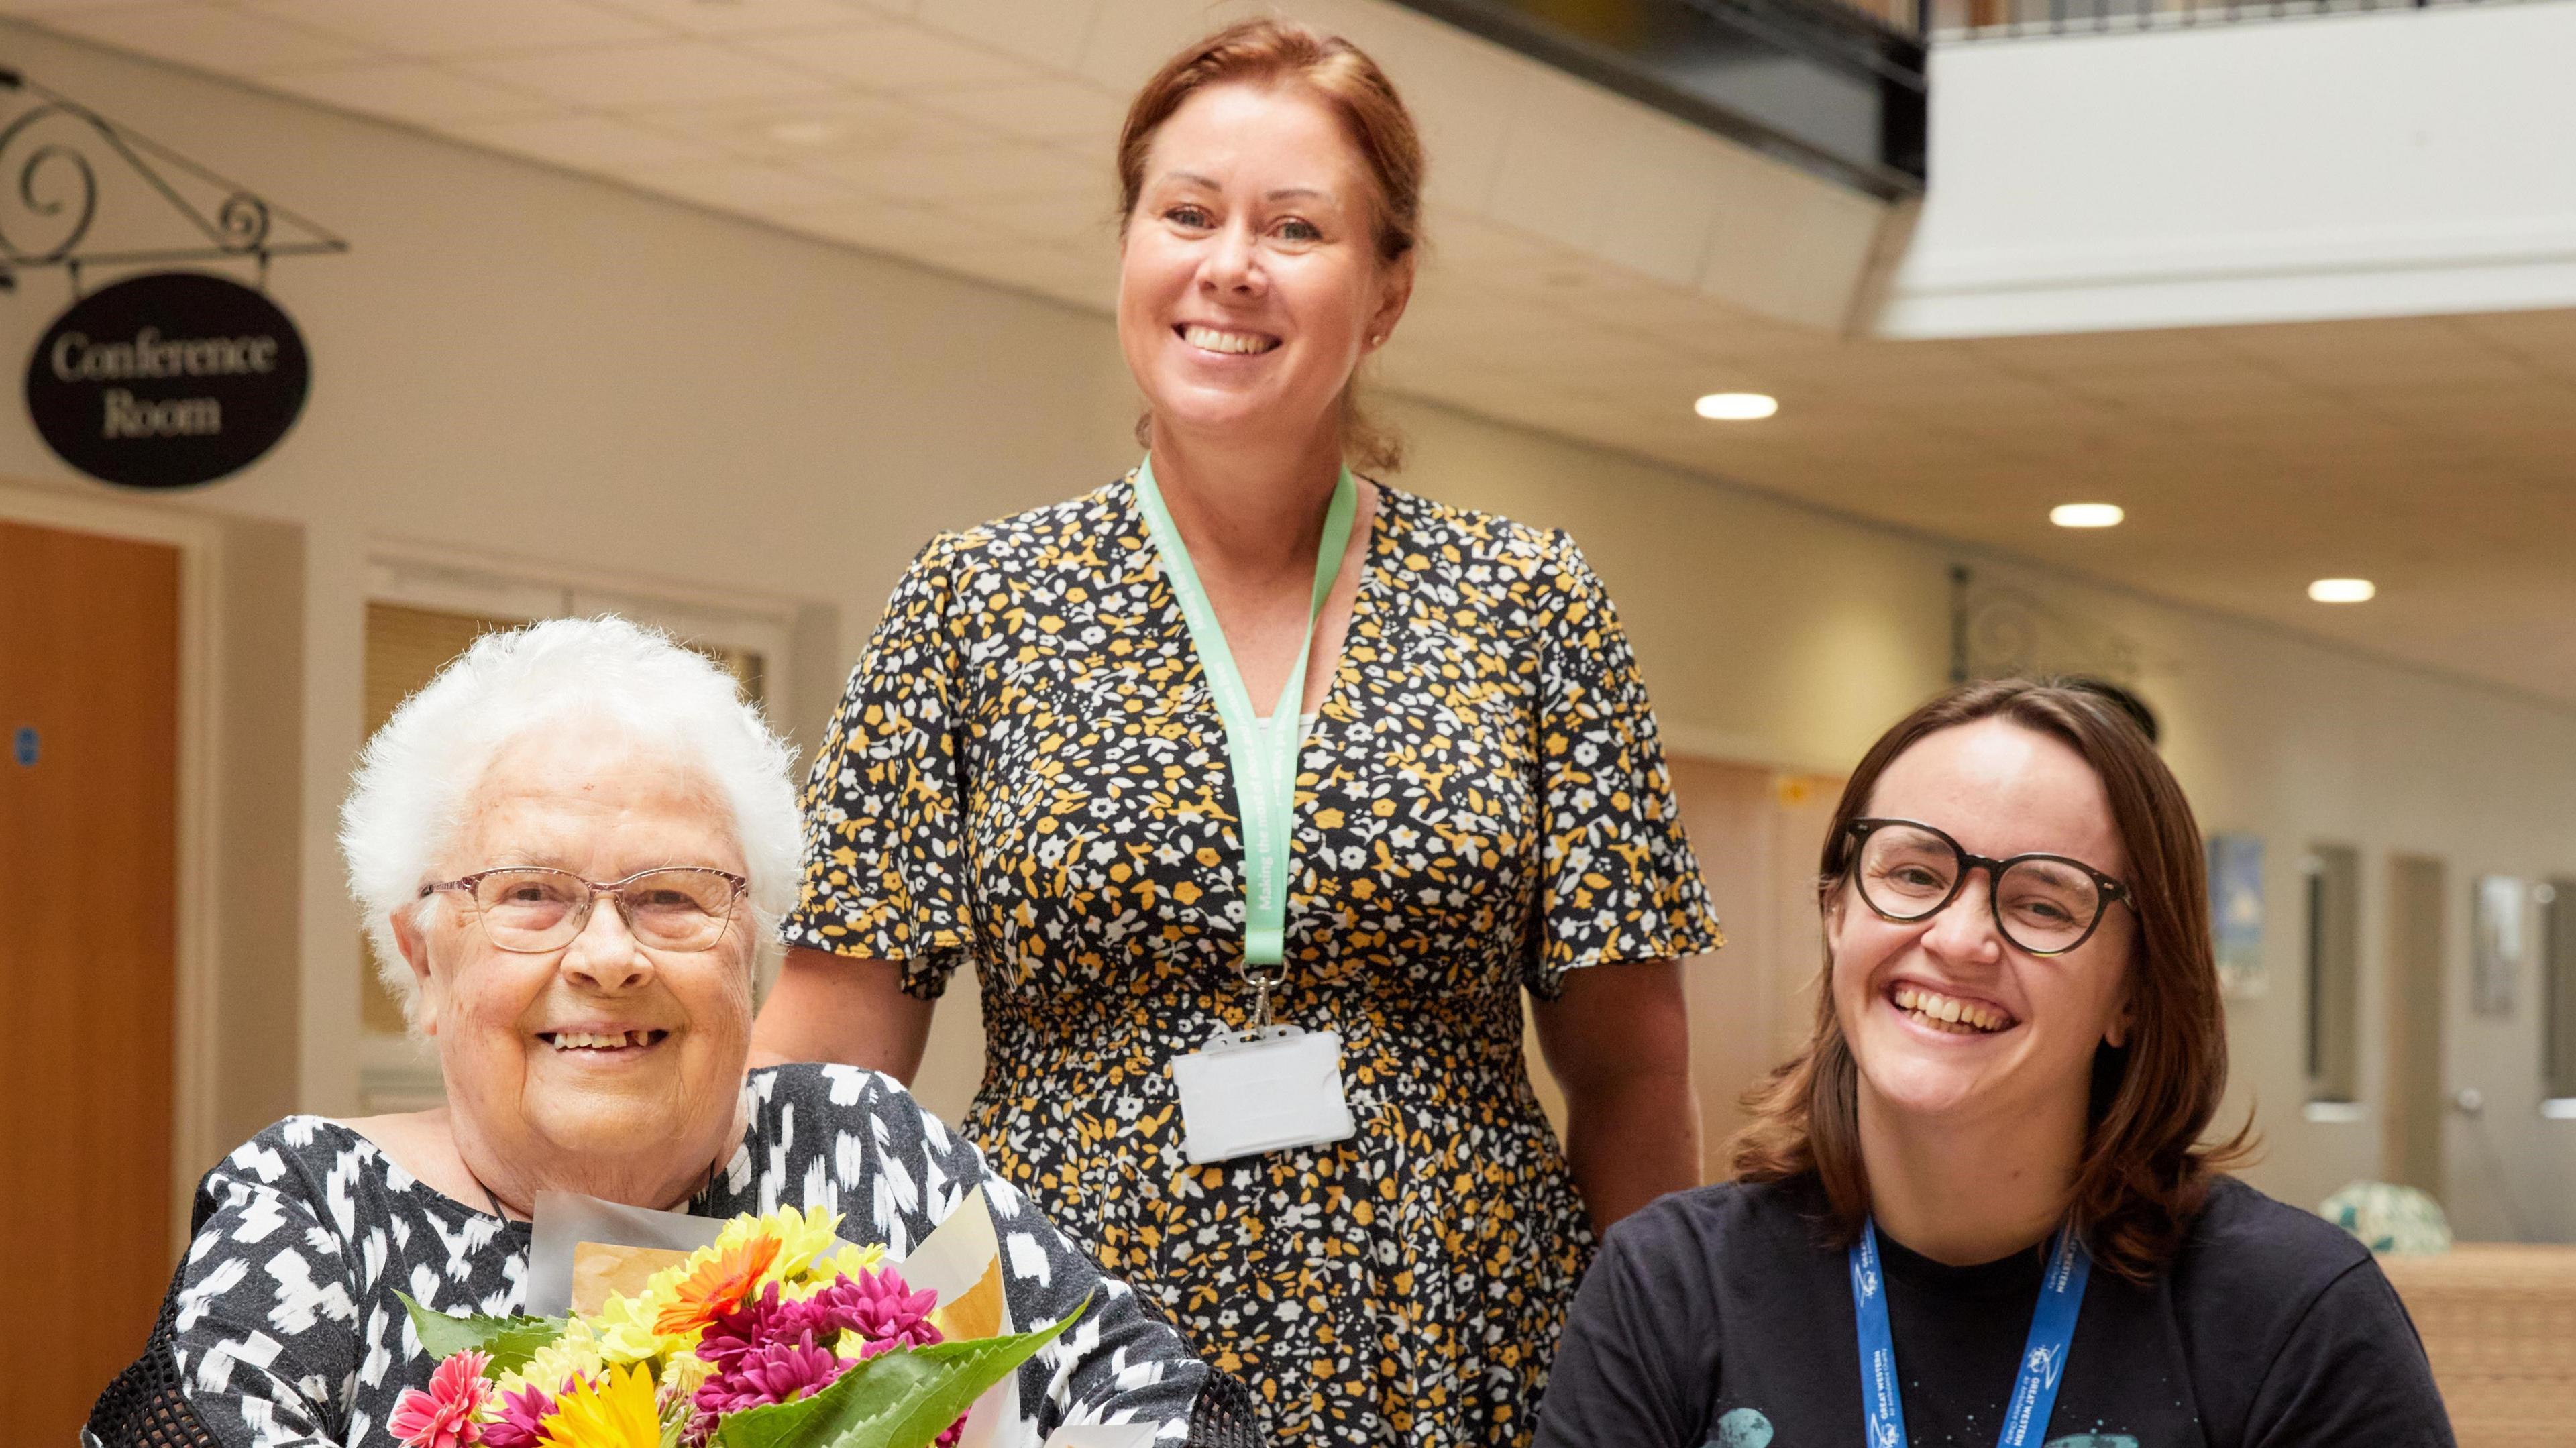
(510, 1340)
(903, 1398)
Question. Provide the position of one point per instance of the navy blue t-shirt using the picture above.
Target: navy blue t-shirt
(1718, 1317)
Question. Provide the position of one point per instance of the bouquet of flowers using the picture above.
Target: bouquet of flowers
(776, 1335)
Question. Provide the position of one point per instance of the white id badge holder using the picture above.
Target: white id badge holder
(1261, 1090)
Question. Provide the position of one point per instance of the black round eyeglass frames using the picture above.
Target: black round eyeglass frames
(2044, 904)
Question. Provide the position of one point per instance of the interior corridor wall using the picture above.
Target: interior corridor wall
(527, 366)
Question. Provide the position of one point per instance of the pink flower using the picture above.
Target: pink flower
(767, 1350)
(885, 1310)
(879, 1306)
(448, 1415)
(772, 1372)
(521, 1412)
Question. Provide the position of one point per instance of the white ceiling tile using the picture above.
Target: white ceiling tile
(896, 58)
(1003, 170)
(670, 73)
(204, 38)
(42, 7)
(1069, 112)
(589, 143)
(1549, 179)
(434, 28)
(1666, 186)
(741, 186)
(1130, 39)
(1463, 104)
(1048, 33)
(734, 17)
(1463, 239)
(1054, 220)
(810, 130)
(1787, 248)
(412, 90)
(881, 225)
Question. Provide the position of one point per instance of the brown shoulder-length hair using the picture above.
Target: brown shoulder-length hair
(2144, 1169)
(1381, 130)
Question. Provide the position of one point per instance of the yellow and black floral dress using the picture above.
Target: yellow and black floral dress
(1028, 772)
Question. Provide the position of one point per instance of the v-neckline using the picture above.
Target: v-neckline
(1345, 676)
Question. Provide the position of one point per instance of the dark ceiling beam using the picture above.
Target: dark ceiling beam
(1812, 82)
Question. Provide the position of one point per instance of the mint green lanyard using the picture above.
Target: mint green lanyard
(1264, 760)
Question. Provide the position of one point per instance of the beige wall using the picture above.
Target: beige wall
(524, 366)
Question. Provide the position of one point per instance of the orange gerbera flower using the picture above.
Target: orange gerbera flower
(717, 1285)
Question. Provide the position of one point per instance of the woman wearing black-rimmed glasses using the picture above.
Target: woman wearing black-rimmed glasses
(1977, 1207)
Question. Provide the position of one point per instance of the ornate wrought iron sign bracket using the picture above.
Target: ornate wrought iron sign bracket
(172, 376)
(60, 188)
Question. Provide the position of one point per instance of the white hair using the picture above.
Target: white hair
(409, 793)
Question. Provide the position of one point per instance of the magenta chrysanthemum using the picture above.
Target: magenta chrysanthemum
(765, 1349)
(771, 1372)
(882, 1308)
(879, 1306)
(521, 1412)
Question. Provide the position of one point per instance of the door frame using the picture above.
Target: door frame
(195, 1003)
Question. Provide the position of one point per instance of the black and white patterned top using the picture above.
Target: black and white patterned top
(288, 1331)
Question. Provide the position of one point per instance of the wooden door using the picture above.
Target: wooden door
(2417, 930)
(89, 733)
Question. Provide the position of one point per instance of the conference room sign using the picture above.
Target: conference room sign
(168, 380)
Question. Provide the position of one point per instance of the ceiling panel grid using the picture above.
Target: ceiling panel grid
(1593, 267)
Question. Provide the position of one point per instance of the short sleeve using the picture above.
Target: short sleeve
(265, 1331)
(2351, 1374)
(1618, 881)
(886, 858)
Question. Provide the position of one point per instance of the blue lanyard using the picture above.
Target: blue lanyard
(2043, 1358)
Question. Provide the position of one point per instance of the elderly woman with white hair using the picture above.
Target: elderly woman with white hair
(569, 847)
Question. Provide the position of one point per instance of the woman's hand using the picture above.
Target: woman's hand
(1618, 1041)
(829, 1007)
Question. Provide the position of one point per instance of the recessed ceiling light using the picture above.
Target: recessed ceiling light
(1736, 406)
(2342, 590)
(2086, 515)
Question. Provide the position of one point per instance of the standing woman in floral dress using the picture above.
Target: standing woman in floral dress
(1059, 759)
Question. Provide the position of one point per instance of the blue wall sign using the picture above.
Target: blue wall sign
(26, 749)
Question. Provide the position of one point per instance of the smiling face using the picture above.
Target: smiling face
(1947, 1019)
(603, 1065)
(1249, 281)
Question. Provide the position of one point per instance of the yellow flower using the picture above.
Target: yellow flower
(617, 1413)
(575, 1353)
(683, 1375)
(851, 1260)
(626, 1324)
(802, 1237)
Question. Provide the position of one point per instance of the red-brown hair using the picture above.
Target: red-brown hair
(2144, 1170)
(1381, 130)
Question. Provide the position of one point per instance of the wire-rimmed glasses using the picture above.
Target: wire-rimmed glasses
(2043, 904)
(528, 909)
